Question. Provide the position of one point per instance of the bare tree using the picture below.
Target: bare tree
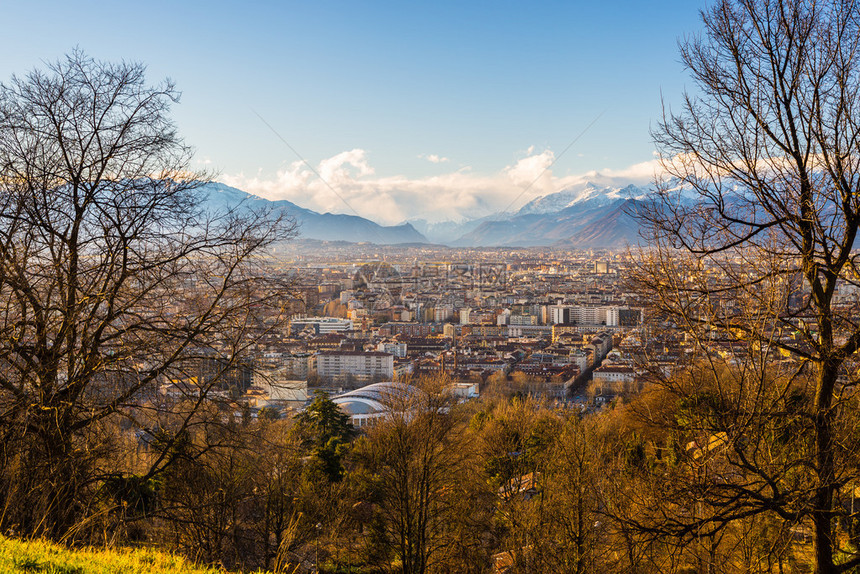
(113, 280)
(416, 459)
(542, 465)
(755, 260)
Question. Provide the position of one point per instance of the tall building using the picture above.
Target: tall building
(585, 315)
(465, 313)
(364, 366)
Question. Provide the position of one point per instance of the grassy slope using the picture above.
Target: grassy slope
(39, 556)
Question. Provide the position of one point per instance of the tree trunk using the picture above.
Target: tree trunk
(824, 458)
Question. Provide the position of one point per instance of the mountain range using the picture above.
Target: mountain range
(582, 216)
(313, 225)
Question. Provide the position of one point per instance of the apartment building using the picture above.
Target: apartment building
(364, 366)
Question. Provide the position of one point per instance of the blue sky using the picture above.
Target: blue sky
(397, 103)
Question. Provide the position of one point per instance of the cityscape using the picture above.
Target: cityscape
(457, 287)
(545, 319)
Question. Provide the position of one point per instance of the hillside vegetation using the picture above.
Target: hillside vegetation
(41, 556)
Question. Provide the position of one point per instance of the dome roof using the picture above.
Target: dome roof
(358, 407)
(372, 399)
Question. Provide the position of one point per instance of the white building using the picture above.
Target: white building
(465, 313)
(584, 314)
(614, 374)
(337, 365)
(579, 358)
(523, 320)
(466, 390)
(396, 349)
(443, 313)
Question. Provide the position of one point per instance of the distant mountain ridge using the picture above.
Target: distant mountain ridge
(584, 216)
(587, 193)
(617, 228)
(313, 225)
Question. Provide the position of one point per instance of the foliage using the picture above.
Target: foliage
(414, 467)
(232, 498)
(269, 414)
(518, 436)
(137, 494)
(326, 431)
(41, 556)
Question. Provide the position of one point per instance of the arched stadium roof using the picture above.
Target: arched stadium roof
(373, 399)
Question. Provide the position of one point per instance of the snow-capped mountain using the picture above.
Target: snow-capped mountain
(582, 216)
(592, 194)
(561, 218)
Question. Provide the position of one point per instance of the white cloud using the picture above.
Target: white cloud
(335, 170)
(433, 158)
(639, 173)
(533, 171)
(452, 195)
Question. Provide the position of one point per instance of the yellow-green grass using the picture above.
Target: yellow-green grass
(38, 556)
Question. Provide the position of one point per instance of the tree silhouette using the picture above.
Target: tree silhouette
(753, 229)
(113, 280)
